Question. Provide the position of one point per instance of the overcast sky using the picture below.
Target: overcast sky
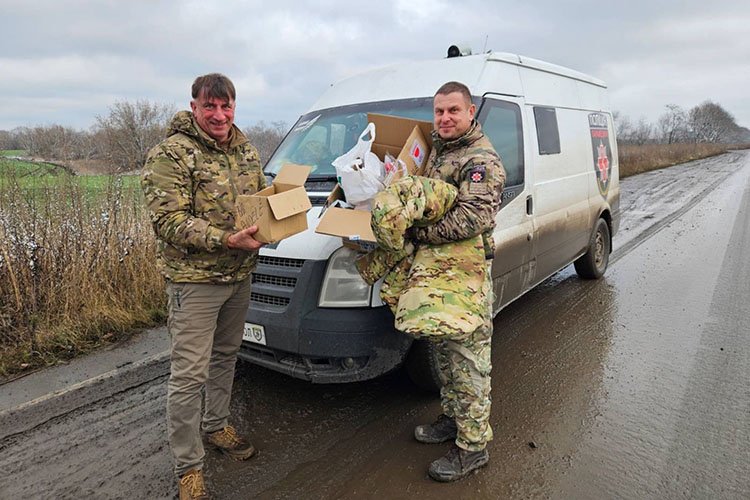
(65, 62)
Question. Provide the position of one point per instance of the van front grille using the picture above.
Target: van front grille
(262, 298)
(280, 261)
(274, 281)
(268, 279)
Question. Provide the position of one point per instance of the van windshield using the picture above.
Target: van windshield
(320, 137)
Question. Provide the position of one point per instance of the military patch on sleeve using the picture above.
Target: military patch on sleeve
(478, 180)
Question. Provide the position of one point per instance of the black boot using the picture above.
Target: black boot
(457, 463)
(443, 429)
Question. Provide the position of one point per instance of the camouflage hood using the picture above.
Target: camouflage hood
(183, 122)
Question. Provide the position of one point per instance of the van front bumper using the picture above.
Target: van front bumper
(312, 343)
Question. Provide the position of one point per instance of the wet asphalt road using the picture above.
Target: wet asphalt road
(633, 386)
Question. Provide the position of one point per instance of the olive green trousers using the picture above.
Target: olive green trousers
(205, 323)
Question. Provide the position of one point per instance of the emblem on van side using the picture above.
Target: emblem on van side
(602, 150)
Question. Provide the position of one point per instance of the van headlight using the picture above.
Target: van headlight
(342, 284)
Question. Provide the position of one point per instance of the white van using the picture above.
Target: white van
(312, 316)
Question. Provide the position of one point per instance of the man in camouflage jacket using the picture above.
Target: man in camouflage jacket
(190, 182)
(464, 157)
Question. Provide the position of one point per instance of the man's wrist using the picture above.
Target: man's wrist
(225, 239)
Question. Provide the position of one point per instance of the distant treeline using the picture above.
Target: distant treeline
(706, 123)
(119, 141)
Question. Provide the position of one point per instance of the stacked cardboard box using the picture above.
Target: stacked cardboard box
(403, 138)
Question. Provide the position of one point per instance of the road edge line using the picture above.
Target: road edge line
(33, 413)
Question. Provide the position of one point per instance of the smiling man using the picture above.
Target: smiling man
(464, 157)
(190, 182)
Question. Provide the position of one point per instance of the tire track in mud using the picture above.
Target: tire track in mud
(663, 222)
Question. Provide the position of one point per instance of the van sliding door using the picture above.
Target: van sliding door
(562, 168)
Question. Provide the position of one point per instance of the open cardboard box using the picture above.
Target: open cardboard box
(410, 138)
(401, 137)
(278, 210)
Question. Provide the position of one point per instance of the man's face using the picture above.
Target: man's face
(215, 116)
(453, 115)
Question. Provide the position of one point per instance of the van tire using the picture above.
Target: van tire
(593, 263)
(422, 366)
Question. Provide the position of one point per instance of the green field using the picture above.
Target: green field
(28, 174)
(12, 152)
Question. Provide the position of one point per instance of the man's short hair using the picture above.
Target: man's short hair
(450, 87)
(214, 86)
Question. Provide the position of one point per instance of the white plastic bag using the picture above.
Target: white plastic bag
(360, 171)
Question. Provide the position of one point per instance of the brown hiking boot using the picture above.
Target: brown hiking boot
(443, 429)
(457, 463)
(230, 443)
(192, 486)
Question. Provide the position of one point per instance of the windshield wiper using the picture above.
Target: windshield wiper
(323, 177)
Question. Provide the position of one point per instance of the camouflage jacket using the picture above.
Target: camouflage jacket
(410, 201)
(435, 290)
(471, 164)
(190, 184)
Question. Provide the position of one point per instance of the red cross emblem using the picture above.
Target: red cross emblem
(602, 162)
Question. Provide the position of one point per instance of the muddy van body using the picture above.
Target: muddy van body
(314, 318)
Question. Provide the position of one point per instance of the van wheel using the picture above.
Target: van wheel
(422, 366)
(593, 263)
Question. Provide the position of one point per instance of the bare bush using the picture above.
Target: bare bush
(129, 131)
(266, 137)
(77, 267)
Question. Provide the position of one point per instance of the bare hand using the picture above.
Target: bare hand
(243, 240)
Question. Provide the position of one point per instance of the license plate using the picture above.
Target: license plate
(254, 333)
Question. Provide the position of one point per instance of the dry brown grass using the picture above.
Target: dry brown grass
(638, 159)
(77, 268)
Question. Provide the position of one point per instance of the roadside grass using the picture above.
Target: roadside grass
(77, 264)
(639, 159)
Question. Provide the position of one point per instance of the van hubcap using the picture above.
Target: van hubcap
(599, 249)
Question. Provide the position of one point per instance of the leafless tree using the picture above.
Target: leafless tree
(53, 142)
(130, 130)
(9, 139)
(623, 125)
(709, 122)
(266, 137)
(743, 135)
(672, 126)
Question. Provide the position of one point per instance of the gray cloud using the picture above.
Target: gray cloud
(67, 61)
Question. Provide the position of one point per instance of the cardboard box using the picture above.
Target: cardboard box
(278, 210)
(350, 224)
(401, 137)
(408, 140)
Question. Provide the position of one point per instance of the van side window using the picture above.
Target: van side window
(501, 123)
(547, 133)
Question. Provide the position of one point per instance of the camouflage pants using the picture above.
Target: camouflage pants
(465, 367)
